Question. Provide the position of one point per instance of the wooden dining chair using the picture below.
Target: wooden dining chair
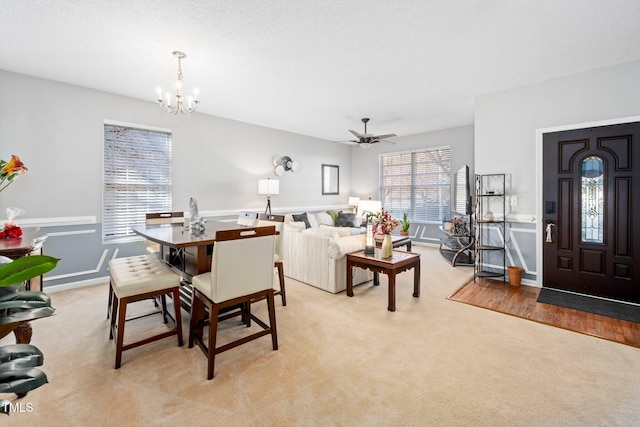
(278, 222)
(241, 273)
(247, 218)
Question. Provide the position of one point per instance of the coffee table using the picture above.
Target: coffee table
(399, 262)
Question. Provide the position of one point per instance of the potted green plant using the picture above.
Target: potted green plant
(405, 224)
(17, 308)
(15, 304)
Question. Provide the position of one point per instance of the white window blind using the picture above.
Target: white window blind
(137, 178)
(418, 183)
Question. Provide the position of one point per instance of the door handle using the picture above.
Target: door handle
(548, 230)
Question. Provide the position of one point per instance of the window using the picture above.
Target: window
(137, 178)
(418, 183)
(593, 200)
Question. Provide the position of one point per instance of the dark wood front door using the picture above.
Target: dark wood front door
(591, 198)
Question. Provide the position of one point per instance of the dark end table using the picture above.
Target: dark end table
(396, 242)
(399, 262)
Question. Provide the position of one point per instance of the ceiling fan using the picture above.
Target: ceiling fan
(365, 139)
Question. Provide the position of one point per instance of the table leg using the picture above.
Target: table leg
(349, 279)
(416, 280)
(392, 291)
(376, 279)
(409, 246)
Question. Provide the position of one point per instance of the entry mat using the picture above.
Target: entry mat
(617, 310)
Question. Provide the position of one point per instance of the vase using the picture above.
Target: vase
(387, 247)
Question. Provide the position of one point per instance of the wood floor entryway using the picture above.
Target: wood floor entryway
(522, 302)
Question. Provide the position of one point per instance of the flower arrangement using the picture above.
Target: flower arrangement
(11, 231)
(10, 170)
(386, 223)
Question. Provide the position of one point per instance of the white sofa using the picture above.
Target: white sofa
(316, 255)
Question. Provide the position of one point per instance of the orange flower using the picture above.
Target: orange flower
(14, 166)
(10, 170)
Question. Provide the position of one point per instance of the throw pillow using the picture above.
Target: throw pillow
(334, 216)
(313, 221)
(346, 219)
(302, 217)
(324, 218)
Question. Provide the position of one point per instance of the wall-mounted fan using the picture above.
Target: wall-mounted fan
(365, 139)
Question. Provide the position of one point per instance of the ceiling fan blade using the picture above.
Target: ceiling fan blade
(348, 142)
(384, 141)
(356, 134)
(389, 135)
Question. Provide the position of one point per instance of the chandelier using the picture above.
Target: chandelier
(179, 106)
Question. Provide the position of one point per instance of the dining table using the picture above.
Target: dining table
(186, 251)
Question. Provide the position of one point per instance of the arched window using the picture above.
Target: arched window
(592, 214)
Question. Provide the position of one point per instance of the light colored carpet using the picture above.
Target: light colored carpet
(342, 361)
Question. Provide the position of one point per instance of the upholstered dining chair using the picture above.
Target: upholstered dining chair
(248, 218)
(278, 222)
(153, 249)
(241, 273)
(135, 279)
(161, 218)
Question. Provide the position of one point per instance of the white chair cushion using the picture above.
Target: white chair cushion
(140, 274)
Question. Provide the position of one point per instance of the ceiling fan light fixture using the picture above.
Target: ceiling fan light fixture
(365, 140)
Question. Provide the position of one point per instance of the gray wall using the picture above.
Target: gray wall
(57, 130)
(365, 176)
(508, 126)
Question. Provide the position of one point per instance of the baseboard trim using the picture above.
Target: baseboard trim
(76, 285)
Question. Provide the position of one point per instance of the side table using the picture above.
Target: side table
(399, 262)
(396, 242)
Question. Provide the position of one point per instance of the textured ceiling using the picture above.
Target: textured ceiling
(316, 67)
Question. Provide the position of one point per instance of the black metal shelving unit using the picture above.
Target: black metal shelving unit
(490, 254)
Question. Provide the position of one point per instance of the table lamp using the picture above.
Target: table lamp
(372, 207)
(268, 187)
(353, 202)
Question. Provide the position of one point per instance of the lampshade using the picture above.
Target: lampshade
(373, 206)
(354, 201)
(268, 186)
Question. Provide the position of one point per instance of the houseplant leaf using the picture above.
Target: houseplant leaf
(26, 268)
